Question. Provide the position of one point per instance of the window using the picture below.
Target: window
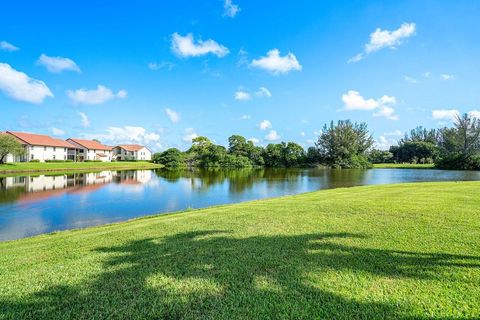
(44, 148)
(54, 148)
(53, 157)
(65, 149)
(31, 156)
(64, 157)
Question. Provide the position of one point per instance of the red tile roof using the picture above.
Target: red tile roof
(131, 147)
(90, 144)
(40, 140)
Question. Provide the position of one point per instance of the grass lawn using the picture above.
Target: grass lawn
(408, 251)
(403, 166)
(70, 166)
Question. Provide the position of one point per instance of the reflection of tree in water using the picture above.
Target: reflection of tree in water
(286, 179)
(214, 275)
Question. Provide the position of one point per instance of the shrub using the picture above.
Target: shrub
(34, 160)
(457, 161)
(93, 161)
(59, 161)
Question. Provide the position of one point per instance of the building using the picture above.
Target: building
(131, 152)
(89, 150)
(40, 147)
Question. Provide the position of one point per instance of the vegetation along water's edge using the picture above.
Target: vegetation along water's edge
(26, 167)
(406, 251)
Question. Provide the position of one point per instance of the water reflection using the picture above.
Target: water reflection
(37, 204)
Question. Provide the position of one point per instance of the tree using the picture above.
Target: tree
(293, 154)
(171, 158)
(415, 152)
(420, 134)
(238, 145)
(9, 145)
(344, 145)
(380, 156)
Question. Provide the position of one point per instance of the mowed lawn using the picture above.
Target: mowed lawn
(70, 166)
(408, 251)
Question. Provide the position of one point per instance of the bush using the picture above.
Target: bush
(59, 161)
(93, 161)
(354, 162)
(34, 160)
(457, 161)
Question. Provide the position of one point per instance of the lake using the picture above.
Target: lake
(36, 204)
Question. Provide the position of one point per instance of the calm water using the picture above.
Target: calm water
(31, 205)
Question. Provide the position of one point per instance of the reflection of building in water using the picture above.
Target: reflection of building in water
(76, 182)
(133, 177)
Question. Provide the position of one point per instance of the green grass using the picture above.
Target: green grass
(403, 166)
(408, 251)
(72, 166)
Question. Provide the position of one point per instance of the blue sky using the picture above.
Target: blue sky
(159, 73)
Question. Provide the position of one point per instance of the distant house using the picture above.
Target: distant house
(131, 152)
(89, 150)
(40, 147)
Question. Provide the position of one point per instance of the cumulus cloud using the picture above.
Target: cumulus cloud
(57, 64)
(57, 132)
(242, 95)
(380, 39)
(277, 64)
(254, 140)
(272, 136)
(263, 92)
(190, 134)
(20, 86)
(96, 96)
(383, 106)
(127, 134)
(230, 9)
(445, 114)
(264, 125)
(6, 46)
(245, 117)
(172, 115)
(474, 114)
(84, 119)
(186, 46)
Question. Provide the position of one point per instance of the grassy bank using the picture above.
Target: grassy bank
(403, 166)
(408, 251)
(73, 166)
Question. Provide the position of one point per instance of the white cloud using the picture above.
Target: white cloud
(185, 46)
(84, 119)
(263, 92)
(380, 39)
(277, 64)
(245, 117)
(162, 65)
(230, 9)
(264, 125)
(272, 136)
(446, 77)
(127, 134)
(410, 79)
(427, 74)
(190, 134)
(474, 114)
(172, 115)
(6, 46)
(57, 132)
(254, 140)
(242, 95)
(445, 114)
(57, 64)
(20, 86)
(96, 96)
(383, 106)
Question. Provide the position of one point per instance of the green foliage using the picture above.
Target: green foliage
(92, 161)
(345, 145)
(379, 156)
(59, 161)
(9, 145)
(415, 152)
(34, 160)
(170, 158)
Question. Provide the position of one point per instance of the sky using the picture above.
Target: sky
(160, 73)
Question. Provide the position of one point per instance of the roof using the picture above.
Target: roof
(40, 140)
(131, 147)
(90, 144)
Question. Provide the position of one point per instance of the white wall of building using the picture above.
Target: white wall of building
(122, 154)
